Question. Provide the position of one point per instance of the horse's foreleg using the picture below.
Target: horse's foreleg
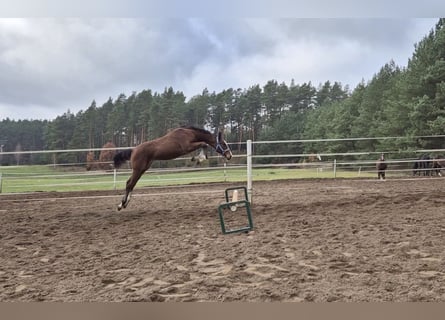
(202, 155)
(131, 182)
(205, 150)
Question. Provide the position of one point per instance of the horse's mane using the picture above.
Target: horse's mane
(196, 129)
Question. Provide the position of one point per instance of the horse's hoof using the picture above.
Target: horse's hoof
(119, 207)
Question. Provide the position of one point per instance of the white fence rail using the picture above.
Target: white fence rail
(245, 167)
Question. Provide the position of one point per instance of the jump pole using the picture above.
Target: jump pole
(249, 170)
(233, 205)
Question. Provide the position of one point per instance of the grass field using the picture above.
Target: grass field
(48, 178)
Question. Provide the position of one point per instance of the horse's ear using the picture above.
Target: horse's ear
(221, 133)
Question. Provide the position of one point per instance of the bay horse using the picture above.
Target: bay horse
(381, 167)
(437, 165)
(176, 143)
(422, 166)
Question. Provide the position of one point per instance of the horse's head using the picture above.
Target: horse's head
(221, 146)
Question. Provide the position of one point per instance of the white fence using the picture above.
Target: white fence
(245, 168)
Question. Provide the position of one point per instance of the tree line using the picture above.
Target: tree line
(404, 102)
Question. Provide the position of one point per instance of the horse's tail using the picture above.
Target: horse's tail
(121, 157)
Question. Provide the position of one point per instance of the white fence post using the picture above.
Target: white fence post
(335, 168)
(249, 170)
(114, 178)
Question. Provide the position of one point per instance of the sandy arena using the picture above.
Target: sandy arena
(313, 240)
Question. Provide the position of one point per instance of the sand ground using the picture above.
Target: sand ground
(313, 240)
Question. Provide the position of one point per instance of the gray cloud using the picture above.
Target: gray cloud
(48, 65)
(218, 9)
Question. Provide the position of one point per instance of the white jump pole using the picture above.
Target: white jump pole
(249, 169)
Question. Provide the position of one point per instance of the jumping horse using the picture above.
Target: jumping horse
(176, 143)
(381, 167)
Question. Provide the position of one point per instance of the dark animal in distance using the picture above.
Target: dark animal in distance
(422, 166)
(381, 167)
(437, 164)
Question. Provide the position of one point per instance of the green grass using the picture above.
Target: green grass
(45, 178)
(48, 178)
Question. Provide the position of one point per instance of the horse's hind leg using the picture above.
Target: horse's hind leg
(131, 182)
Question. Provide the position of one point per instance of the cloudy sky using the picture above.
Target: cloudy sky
(51, 64)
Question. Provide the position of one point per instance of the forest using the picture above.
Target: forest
(406, 102)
